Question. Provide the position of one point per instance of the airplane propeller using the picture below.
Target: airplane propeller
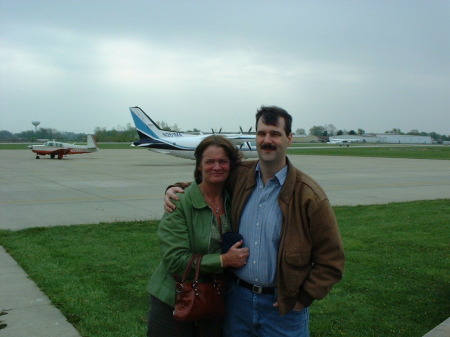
(248, 143)
(249, 130)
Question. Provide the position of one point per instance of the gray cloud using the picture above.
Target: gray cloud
(76, 65)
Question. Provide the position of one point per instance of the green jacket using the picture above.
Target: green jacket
(191, 228)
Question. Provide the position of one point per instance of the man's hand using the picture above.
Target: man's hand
(171, 193)
(298, 306)
(235, 257)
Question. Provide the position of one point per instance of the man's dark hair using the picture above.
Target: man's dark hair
(270, 116)
(233, 154)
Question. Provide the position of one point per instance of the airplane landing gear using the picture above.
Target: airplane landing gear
(37, 157)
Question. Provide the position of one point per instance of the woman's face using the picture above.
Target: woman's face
(215, 165)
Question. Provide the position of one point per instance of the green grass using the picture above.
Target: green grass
(15, 146)
(386, 151)
(95, 274)
(404, 151)
(114, 146)
(396, 281)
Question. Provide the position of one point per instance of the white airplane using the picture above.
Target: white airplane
(59, 149)
(180, 144)
(345, 142)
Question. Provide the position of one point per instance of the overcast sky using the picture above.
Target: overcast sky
(78, 65)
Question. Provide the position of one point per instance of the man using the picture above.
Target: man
(288, 224)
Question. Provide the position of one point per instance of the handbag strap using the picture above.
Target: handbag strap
(197, 266)
(195, 258)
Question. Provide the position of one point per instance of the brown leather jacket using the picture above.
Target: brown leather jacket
(311, 254)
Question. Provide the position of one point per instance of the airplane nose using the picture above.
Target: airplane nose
(30, 146)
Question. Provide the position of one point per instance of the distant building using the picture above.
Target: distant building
(387, 138)
(304, 139)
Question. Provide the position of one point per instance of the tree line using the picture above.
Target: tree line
(129, 134)
(119, 134)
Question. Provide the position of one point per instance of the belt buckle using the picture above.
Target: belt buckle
(257, 289)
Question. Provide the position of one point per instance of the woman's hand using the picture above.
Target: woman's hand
(171, 193)
(235, 257)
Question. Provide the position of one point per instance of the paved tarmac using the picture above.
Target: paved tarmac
(124, 185)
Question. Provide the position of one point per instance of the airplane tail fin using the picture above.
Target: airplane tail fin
(146, 128)
(91, 142)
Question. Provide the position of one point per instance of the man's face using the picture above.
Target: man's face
(272, 141)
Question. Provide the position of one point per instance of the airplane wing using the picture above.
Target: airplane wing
(238, 139)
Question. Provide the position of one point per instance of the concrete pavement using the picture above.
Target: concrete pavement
(25, 309)
(442, 330)
(125, 185)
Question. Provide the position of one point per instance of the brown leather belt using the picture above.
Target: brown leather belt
(253, 287)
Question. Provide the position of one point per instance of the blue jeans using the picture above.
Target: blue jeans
(253, 315)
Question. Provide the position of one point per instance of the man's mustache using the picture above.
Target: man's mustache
(268, 147)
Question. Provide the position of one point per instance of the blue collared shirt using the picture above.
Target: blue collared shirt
(260, 225)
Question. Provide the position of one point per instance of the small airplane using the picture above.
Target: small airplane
(59, 149)
(179, 144)
(345, 142)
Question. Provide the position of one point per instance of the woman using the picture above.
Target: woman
(202, 214)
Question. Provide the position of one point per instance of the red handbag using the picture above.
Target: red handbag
(198, 300)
